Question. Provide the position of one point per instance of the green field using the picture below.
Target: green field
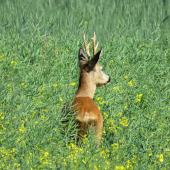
(39, 43)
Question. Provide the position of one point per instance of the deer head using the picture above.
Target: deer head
(92, 74)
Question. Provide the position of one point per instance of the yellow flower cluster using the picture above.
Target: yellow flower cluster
(120, 168)
(139, 97)
(22, 128)
(55, 85)
(130, 83)
(161, 157)
(124, 121)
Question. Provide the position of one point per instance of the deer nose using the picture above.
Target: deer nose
(108, 81)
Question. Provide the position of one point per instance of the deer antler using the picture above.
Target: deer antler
(86, 47)
(94, 47)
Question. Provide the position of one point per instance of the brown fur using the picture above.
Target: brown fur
(88, 115)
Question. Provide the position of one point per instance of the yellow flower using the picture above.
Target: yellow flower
(61, 99)
(72, 84)
(139, 97)
(22, 128)
(126, 77)
(17, 165)
(120, 168)
(55, 85)
(130, 83)
(123, 121)
(149, 154)
(23, 84)
(102, 102)
(46, 154)
(86, 22)
(115, 146)
(105, 115)
(116, 88)
(13, 150)
(84, 161)
(160, 156)
(99, 98)
(43, 88)
(13, 62)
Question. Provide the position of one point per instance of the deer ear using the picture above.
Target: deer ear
(94, 60)
(82, 58)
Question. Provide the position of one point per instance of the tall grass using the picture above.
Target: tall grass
(39, 43)
(61, 18)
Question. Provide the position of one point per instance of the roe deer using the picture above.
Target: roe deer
(91, 76)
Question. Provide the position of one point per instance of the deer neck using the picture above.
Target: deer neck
(87, 86)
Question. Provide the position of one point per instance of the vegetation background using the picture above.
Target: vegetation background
(39, 43)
